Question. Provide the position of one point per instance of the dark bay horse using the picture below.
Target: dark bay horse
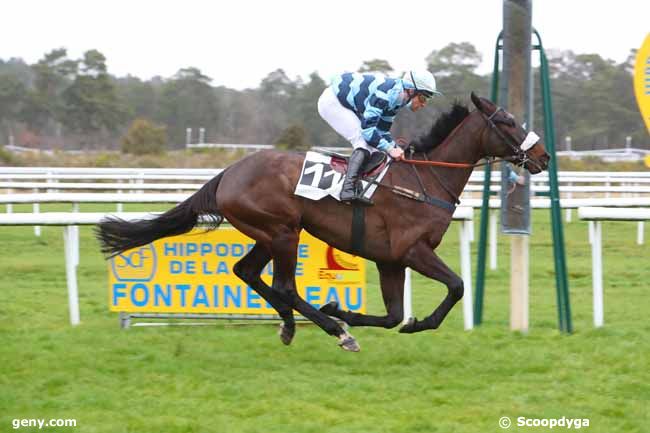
(256, 195)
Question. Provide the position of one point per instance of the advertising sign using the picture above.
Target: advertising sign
(192, 273)
(642, 80)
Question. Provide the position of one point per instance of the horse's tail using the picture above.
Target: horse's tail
(117, 235)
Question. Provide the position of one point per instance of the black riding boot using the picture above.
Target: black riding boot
(352, 190)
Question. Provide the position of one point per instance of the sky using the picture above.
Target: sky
(238, 42)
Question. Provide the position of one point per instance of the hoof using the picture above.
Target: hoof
(286, 334)
(409, 327)
(347, 342)
(330, 308)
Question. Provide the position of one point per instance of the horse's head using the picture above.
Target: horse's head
(506, 138)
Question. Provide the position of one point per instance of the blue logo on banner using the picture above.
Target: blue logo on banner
(135, 265)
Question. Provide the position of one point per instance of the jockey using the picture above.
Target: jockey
(361, 108)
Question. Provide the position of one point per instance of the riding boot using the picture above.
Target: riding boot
(352, 189)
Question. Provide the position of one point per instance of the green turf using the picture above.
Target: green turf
(234, 378)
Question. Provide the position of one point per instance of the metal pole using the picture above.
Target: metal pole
(408, 303)
(36, 208)
(466, 273)
(70, 244)
(561, 277)
(188, 137)
(517, 26)
(493, 240)
(597, 273)
(485, 205)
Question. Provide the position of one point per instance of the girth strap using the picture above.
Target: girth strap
(358, 229)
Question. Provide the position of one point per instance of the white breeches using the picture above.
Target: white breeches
(344, 121)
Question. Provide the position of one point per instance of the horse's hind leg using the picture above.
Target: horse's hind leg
(249, 270)
(422, 259)
(391, 277)
(284, 250)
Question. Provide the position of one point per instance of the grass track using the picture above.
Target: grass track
(233, 378)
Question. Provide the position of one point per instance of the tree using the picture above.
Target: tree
(143, 137)
(187, 101)
(53, 72)
(376, 65)
(44, 105)
(12, 92)
(139, 97)
(454, 67)
(455, 58)
(277, 85)
(91, 103)
(304, 111)
(593, 101)
(275, 99)
(293, 138)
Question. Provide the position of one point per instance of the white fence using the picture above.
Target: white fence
(595, 216)
(608, 155)
(70, 221)
(612, 189)
(70, 240)
(56, 174)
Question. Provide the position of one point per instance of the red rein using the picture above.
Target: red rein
(404, 144)
(439, 163)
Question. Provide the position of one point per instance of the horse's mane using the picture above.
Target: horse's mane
(446, 123)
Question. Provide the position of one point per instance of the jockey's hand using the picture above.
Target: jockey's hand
(396, 153)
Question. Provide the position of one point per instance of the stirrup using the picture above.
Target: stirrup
(360, 199)
(350, 199)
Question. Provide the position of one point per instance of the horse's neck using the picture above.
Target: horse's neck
(462, 145)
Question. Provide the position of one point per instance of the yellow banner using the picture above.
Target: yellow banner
(192, 273)
(642, 80)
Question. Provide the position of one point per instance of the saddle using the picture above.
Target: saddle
(372, 166)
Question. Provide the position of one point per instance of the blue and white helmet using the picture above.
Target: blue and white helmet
(422, 82)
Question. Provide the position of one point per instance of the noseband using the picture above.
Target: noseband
(520, 150)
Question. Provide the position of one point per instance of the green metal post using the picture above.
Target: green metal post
(485, 206)
(561, 276)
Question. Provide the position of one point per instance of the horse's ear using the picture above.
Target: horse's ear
(477, 101)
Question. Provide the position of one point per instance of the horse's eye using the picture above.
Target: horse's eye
(507, 121)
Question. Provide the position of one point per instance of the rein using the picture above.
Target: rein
(519, 158)
(490, 161)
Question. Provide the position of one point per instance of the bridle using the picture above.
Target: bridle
(520, 157)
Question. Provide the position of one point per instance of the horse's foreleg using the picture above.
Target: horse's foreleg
(284, 248)
(249, 269)
(422, 259)
(391, 277)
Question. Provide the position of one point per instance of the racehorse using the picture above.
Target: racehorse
(256, 195)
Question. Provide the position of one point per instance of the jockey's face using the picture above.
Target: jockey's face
(418, 102)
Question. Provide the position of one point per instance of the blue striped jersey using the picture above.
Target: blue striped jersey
(375, 99)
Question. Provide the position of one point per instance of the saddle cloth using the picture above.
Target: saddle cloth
(322, 174)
